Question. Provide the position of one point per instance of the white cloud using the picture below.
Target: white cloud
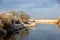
(37, 3)
(8, 1)
(39, 8)
(27, 5)
(50, 12)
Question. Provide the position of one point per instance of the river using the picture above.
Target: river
(40, 32)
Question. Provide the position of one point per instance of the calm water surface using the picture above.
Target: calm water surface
(41, 32)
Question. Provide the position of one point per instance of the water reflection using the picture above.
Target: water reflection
(42, 32)
(22, 35)
(8, 37)
(58, 26)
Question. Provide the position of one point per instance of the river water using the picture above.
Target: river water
(40, 32)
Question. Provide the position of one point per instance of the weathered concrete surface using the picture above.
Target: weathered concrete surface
(46, 21)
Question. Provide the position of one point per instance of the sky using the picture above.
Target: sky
(36, 8)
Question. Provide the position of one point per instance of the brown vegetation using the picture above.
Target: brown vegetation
(6, 19)
(1, 24)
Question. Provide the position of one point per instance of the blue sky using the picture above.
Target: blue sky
(36, 8)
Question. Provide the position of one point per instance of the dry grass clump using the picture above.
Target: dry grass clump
(5, 21)
(1, 24)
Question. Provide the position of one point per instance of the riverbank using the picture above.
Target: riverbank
(46, 21)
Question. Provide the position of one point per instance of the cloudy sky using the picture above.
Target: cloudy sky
(36, 8)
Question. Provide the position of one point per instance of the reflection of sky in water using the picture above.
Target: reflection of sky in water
(42, 32)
